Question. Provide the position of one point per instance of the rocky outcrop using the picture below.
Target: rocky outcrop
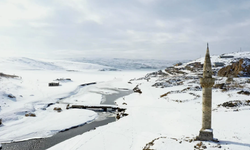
(195, 66)
(235, 103)
(155, 74)
(7, 75)
(178, 64)
(244, 92)
(175, 71)
(240, 68)
(168, 83)
(137, 90)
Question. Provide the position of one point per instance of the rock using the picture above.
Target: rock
(219, 86)
(195, 66)
(109, 69)
(175, 71)
(50, 104)
(204, 146)
(58, 109)
(137, 90)
(166, 94)
(162, 84)
(235, 103)
(244, 92)
(178, 64)
(118, 116)
(30, 115)
(229, 79)
(240, 68)
(155, 74)
(54, 84)
(0, 121)
(168, 83)
(11, 96)
(63, 79)
(124, 114)
(7, 75)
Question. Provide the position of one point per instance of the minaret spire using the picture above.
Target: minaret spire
(207, 49)
(207, 68)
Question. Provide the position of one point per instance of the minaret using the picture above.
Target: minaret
(207, 82)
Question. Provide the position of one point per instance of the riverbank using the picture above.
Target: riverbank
(32, 95)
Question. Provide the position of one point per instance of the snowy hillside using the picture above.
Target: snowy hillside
(226, 61)
(26, 64)
(83, 64)
(22, 63)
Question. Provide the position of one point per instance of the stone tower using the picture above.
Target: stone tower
(207, 82)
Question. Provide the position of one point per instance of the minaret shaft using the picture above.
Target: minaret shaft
(206, 108)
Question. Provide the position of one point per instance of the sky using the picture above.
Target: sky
(136, 29)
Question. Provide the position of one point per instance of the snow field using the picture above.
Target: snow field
(151, 117)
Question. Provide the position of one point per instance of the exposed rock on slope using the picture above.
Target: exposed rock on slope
(7, 75)
(137, 90)
(240, 68)
(194, 66)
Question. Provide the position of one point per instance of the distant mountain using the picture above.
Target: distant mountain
(75, 64)
(27, 64)
(128, 64)
(23, 63)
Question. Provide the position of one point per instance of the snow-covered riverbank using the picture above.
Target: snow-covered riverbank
(29, 93)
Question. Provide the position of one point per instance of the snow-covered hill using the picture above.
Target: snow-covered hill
(220, 59)
(23, 63)
(26, 64)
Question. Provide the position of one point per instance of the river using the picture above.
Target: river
(44, 143)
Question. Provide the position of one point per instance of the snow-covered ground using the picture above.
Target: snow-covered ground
(29, 93)
(169, 124)
(153, 122)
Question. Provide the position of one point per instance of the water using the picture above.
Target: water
(109, 99)
(44, 143)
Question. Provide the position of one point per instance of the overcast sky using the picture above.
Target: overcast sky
(145, 29)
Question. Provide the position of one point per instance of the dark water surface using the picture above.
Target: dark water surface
(44, 143)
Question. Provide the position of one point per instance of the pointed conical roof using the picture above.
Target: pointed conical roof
(207, 68)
